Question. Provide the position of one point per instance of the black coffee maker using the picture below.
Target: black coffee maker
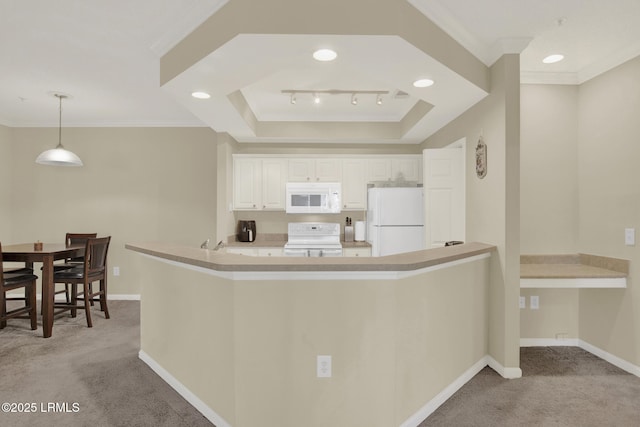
(246, 231)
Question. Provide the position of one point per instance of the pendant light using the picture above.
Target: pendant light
(59, 156)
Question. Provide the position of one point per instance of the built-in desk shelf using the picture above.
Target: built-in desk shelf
(572, 271)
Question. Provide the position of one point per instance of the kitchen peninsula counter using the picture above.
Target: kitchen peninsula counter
(221, 261)
(239, 336)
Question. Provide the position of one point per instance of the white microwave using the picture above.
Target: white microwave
(313, 197)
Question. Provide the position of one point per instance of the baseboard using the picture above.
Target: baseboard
(183, 391)
(548, 342)
(614, 360)
(575, 342)
(504, 372)
(124, 297)
(417, 418)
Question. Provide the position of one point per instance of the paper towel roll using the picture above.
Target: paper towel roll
(359, 231)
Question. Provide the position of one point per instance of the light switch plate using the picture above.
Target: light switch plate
(535, 302)
(630, 236)
(323, 367)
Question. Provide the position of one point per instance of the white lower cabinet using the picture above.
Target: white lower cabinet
(357, 252)
(279, 251)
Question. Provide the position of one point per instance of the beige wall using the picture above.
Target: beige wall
(249, 349)
(5, 185)
(609, 201)
(549, 200)
(493, 202)
(549, 169)
(137, 184)
(585, 197)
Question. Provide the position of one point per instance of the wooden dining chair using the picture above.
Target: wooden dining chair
(93, 269)
(71, 239)
(16, 280)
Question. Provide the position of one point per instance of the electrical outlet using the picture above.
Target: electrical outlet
(523, 302)
(534, 302)
(630, 236)
(323, 367)
(116, 271)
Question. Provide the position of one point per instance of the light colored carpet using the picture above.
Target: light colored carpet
(96, 368)
(560, 386)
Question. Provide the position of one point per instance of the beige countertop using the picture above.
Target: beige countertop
(571, 266)
(222, 261)
(572, 271)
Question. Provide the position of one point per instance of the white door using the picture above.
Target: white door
(444, 195)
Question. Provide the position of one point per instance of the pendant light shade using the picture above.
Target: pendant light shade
(59, 156)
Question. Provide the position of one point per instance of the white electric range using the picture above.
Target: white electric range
(313, 239)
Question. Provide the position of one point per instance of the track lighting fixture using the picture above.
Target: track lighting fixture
(315, 94)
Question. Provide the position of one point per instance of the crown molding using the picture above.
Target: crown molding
(608, 63)
(545, 78)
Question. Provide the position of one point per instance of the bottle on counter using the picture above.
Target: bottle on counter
(348, 231)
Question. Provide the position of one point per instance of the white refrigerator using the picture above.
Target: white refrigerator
(395, 219)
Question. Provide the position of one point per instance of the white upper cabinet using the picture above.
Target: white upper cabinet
(274, 181)
(259, 184)
(378, 169)
(406, 168)
(316, 170)
(259, 181)
(247, 175)
(354, 184)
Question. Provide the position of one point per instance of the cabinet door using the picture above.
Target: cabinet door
(354, 184)
(407, 169)
(247, 174)
(271, 251)
(328, 170)
(358, 252)
(301, 170)
(274, 179)
(378, 169)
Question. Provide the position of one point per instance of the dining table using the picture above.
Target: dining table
(47, 254)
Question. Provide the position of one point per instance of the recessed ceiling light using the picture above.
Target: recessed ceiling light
(324, 55)
(553, 58)
(201, 95)
(423, 83)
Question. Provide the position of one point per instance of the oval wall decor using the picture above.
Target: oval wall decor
(481, 158)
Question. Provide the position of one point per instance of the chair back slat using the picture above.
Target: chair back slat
(78, 239)
(96, 254)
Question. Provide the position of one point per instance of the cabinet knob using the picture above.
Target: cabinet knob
(317, 178)
(264, 206)
(254, 206)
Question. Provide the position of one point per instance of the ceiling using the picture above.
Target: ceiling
(106, 56)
